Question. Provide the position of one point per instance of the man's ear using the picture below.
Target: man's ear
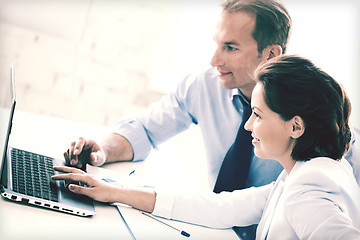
(297, 127)
(272, 51)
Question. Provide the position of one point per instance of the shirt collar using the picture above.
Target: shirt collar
(237, 92)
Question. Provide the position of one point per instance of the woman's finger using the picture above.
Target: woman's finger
(68, 169)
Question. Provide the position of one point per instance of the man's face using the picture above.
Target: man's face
(236, 56)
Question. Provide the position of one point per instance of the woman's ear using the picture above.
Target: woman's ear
(298, 127)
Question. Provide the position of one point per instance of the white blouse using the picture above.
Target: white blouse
(320, 199)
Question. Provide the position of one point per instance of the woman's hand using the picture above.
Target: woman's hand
(142, 199)
(96, 189)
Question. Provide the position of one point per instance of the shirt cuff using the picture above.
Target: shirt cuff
(135, 133)
(164, 204)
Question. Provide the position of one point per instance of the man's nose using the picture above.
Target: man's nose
(216, 60)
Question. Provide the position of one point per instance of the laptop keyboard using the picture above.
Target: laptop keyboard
(31, 174)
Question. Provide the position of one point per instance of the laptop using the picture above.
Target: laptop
(25, 175)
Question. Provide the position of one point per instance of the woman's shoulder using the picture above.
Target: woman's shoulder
(322, 172)
(319, 165)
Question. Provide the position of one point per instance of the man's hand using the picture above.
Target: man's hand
(82, 152)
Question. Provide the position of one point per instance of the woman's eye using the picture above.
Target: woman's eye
(256, 115)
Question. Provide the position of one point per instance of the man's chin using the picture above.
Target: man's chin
(227, 84)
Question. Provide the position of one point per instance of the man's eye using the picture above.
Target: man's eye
(230, 48)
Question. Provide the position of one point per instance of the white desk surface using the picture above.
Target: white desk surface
(51, 136)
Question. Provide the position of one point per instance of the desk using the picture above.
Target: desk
(51, 136)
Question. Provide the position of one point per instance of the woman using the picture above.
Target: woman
(300, 119)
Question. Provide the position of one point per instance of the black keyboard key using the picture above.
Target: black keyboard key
(38, 194)
(22, 190)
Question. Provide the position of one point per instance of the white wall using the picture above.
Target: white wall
(109, 60)
(99, 60)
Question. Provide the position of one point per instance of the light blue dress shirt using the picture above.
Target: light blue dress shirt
(199, 99)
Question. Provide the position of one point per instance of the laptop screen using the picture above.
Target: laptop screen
(7, 105)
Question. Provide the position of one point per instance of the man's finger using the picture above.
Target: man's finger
(79, 146)
(94, 158)
(66, 156)
(73, 159)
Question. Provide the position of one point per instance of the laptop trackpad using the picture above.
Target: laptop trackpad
(77, 200)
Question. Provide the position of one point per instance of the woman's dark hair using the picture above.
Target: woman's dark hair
(294, 86)
(273, 22)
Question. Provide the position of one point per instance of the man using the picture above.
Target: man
(248, 32)
(245, 38)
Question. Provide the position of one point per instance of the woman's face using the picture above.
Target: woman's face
(271, 134)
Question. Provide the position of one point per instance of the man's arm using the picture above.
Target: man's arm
(117, 148)
(134, 138)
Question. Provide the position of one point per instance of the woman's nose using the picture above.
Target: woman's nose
(248, 124)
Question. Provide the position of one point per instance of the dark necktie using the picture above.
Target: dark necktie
(234, 170)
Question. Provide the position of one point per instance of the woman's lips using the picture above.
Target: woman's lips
(255, 140)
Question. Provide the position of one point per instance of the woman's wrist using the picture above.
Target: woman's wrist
(139, 198)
